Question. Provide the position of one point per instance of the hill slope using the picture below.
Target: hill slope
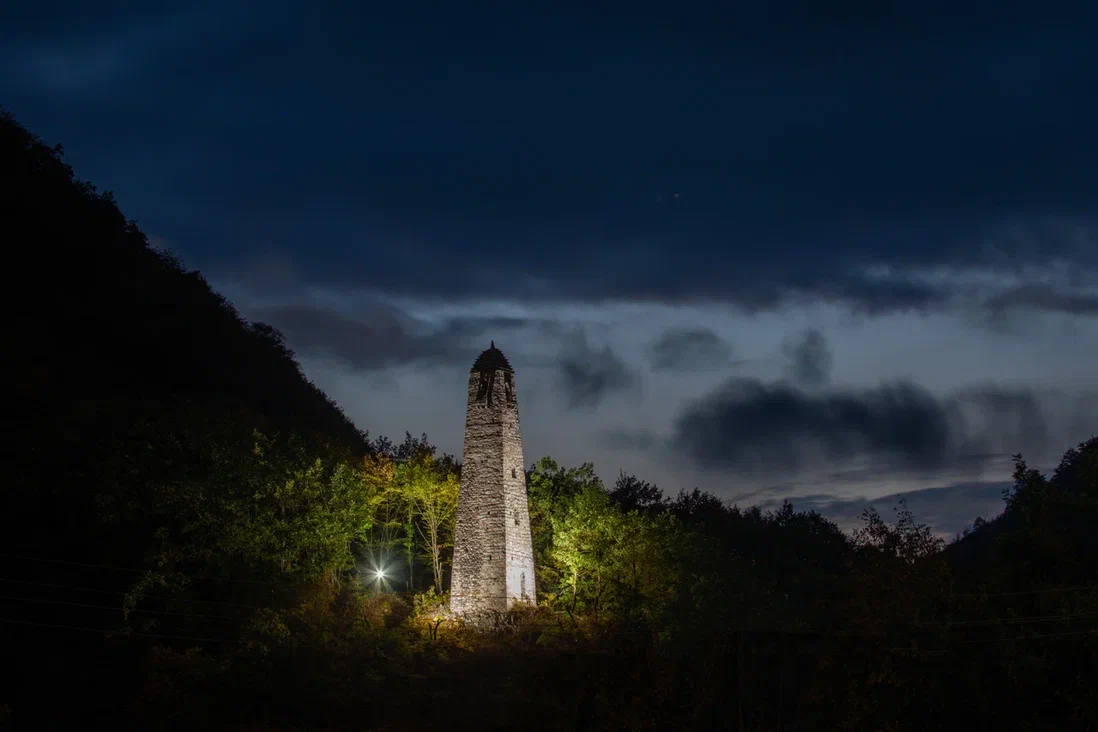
(109, 333)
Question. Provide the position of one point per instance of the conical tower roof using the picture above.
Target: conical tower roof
(492, 360)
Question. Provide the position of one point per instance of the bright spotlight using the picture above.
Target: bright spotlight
(379, 573)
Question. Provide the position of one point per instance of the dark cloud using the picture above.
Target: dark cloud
(809, 358)
(371, 340)
(378, 336)
(1044, 297)
(751, 425)
(587, 375)
(688, 349)
(756, 428)
(804, 152)
(947, 509)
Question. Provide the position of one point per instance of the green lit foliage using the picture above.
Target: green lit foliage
(612, 562)
(387, 535)
(430, 491)
(430, 610)
(378, 471)
(585, 537)
(275, 509)
(551, 489)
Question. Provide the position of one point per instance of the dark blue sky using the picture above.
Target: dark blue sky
(650, 208)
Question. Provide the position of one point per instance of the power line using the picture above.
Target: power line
(1093, 631)
(60, 586)
(986, 621)
(927, 651)
(617, 631)
(118, 632)
(130, 569)
(143, 597)
(947, 624)
(114, 608)
(816, 632)
(1019, 593)
(1005, 621)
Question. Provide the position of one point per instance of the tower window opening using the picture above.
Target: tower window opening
(514, 474)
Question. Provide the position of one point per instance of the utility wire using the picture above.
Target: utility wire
(1016, 593)
(119, 632)
(946, 623)
(926, 651)
(727, 632)
(268, 583)
(618, 631)
(143, 597)
(114, 608)
(1019, 593)
(1005, 621)
(130, 569)
(1093, 631)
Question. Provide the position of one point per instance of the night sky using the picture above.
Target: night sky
(821, 251)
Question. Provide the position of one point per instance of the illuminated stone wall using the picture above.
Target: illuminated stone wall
(493, 552)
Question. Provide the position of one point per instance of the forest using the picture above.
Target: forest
(196, 537)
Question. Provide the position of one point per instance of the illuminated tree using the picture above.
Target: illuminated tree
(379, 472)
(584, 541)
(551, 490)
(431, 493)
(273, 510)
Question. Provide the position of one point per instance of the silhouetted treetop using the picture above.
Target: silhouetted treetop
(630, 494)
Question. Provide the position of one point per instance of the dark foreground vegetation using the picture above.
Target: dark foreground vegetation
(179, 483)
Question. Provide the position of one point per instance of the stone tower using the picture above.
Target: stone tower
(493, 552)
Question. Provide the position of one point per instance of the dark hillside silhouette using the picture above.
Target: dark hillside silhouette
(1045, 536)
(110, 331)
(125, 320)
(120, 362)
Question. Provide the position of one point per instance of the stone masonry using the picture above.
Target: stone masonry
(493, 551)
